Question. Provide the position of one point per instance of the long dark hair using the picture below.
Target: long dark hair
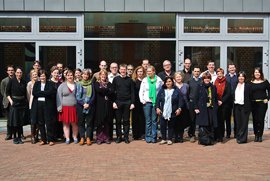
(242, 73)
(165, 80)
(260, 71)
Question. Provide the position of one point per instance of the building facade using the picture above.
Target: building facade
(80, 33)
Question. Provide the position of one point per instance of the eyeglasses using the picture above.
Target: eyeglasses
(129, 69)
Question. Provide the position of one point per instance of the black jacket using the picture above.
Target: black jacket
(177, 100)
(49, 94)
(247, 97)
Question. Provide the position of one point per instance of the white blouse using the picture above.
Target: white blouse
(239, 94)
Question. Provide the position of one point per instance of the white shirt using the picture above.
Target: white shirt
(213, 76)
(144, 89)
(111, 77)
(239, 94)
(42, 87)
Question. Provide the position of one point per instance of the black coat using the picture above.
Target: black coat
(226, 97)
(177, 100)
(200, 103)
(49, 94)
(247, 97)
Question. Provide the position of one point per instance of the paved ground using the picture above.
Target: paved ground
(136, 161)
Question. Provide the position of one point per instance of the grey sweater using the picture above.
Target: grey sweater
(65, 97)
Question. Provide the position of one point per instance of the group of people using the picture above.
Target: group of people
(73, 104)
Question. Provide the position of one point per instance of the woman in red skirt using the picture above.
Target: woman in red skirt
(66, 106)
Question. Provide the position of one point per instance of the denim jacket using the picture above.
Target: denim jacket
(81, 99)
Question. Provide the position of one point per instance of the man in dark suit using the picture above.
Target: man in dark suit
(4, 82)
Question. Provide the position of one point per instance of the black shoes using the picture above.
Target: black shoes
(17, 141)
(260, 139)
(118, 140)
(8, 137)
(241, 142)
(127, 141)
(256, 139)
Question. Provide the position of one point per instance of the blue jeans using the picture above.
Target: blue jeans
(151, 123)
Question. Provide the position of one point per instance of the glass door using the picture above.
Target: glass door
(68, 53)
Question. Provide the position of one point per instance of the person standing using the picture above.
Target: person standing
(102, 66)
(43, 108)
(231, 77)
(6, 105)
(187, 70)
(104, 107)
(138, 119)
(149, 89)
(130, 70)
(145, 64)
(16, 94)
(124, 102)
(194, 83)
(29, 88)
(78, 75)
(169, 105)
(224, 94)
(168, 72)
(85, 95)
(242, 107)
(211, 70)
(260, 94)
(66, 106)
(206, 105)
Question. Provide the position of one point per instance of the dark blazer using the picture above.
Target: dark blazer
(49, 94)
(226, 97)
(177, 100)
(247, 97)
(200, 103)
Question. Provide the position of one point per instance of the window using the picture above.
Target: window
(245, 25)
(201, 25)
(130, 25)
(15, 24)
(67, 25)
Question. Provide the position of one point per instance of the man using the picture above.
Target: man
(124, 102)
(130, 69)
(168, 72)
(231, 77)
(194, 83)
(102, 66)
(145, 64)
(111, 76)
(36, 66)
(187, 70)
(4, 82)
(114, 71)
(211, 70)
(60, 68)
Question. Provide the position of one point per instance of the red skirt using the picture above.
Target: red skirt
(68, 114)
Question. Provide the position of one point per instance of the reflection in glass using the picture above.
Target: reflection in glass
(129, 52)
(57, 25)
(245, 26)
(201, 25)
(130, 25)
(245, 58)
(15, 24)
(201, 55)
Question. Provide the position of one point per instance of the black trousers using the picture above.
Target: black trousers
(192, 127)
(46, 127)
(167, 125)
(110, 124)
(138, 122)
(241, 118)
(230, 111)
(258, 113)
(122, 113)
(222, 118)
(85, 122)
(9, 128)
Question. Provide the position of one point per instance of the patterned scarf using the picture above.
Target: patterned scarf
(220, 85)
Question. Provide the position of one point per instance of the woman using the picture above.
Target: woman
(104, 103)
(78, 75)
(66, 106)
(29, 88)
(85, 95)
(148, 94)
(206, 105)
(259, 95)
(184, 119)
(17, 97)
(242, 108)
(169, 105)
(43, 108)
(223, 93)
(55, 79)
(138, 119)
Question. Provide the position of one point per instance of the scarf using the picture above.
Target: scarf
(167, 108)
(87, 84)
(209, 94)
(220, 85)
(152, 89)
